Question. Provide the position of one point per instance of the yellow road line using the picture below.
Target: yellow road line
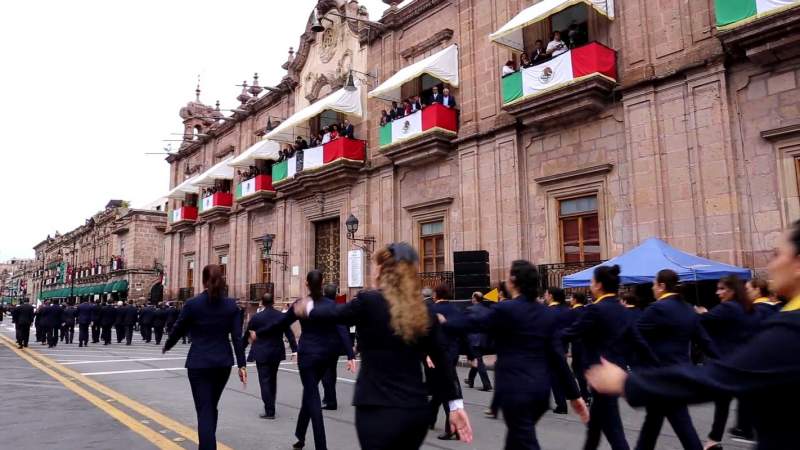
(147, 433)
(146, 411)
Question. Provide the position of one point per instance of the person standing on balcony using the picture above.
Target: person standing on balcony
(448, 101)
(436, 97)
(556, 46)
(508, 69)
(326, 135)
(347, 129)
(525, 61)
(385, 118)
(539, 54)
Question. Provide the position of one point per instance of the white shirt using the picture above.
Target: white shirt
(326, 138)
(508, 70)
(552, 48)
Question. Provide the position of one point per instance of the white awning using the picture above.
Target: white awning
(510, 34)
(185, 187)
(442, 65)
(264, 149)
(219, 171)
(344, 101)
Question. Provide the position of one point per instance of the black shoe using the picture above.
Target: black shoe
(448, 437)
(470, 384)
(329, 407)
(717, 446)
(560, 411)
(490, 414)
(487, 389)
(299, 444)
(739, 434)
(267, 416)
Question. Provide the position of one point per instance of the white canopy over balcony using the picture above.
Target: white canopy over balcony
(263, 149)
(442, 65)
(345, 100)
(219, 171)
(185, 187)
(510, 34)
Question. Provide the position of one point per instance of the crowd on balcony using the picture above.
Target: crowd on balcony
(575, 37)
(414, 103)
(249, 173)
(325, 135)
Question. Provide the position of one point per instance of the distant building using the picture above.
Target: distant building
(14, 279)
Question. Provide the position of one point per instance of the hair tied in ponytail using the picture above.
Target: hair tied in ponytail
(402, 251)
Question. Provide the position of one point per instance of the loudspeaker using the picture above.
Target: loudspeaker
(471, 267)
(464, 280)
(470, 273)
(471, 256)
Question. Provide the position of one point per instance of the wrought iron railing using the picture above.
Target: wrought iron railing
(185, 293)
(432, 279)
(550, 275)
(257, 290)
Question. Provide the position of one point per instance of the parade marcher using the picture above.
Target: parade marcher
(23, 318)
(130, 314)
(41, 334)
(502, 295)
(396, 331)
(318, 348)
(172, 316)
(730, 325)
(329, 401)
(52, 324)
(606, 332)
(68, 320)
(578, 363)
(268, 351)
(119, 321)
(159, 320)
(671, 326)
(451, 338)
(556, 299)
(146, 318)
(215, 324)
(84, 312)
(478, 344)
(108, 316)
(96, 316)
(764, 370)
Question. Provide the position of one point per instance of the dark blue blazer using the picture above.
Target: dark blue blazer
(68, 315)
(160, 318)
(605, 330)
(210, 323)
(23, 315)
(529, 350)
(452, 336)
(97, 310)
(85, 313)
(269, 348)
(130, 315)
(764, 372)
(147, 316)
(729, 326)
(478, 340)
(670, 326)
(764, 311)
(172, 315)
(50, 316)
(108, 315)
(576, 346)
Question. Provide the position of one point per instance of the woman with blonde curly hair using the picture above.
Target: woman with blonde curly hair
(396, 332)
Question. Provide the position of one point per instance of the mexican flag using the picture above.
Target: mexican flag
(313, 158)
(556, 72)
(176, 216)
(246, 188)
(206, 203)
(402, 128)
(730, 12)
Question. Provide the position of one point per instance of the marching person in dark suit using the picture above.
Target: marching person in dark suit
(764, 371)
(529, 352)
(52, 323)
(215, 324)
(329, 401)
(606, 332)
(96, 319)
(452, 338)
(129, 317)
(84, 312)
(396, 332)
(555, 299)
(578, 363)
(146, 322)
(23, 318)
(108, 316)
(159, 320)
(318, 349)
(670, 326)
(172, 316)
(268, 351)
(730, 324)
(119, 321)
(68, 319)
(478, 344)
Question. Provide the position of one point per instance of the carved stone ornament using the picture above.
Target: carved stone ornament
(328, 43)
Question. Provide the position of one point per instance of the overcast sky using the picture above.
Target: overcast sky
(88, 87)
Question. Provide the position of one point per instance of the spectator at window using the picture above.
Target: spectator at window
(525, 61)
(385, 118)
(300, 143)
(393, 111)
(436, 97)
(347, 129)
(575, 37)
(334, 132)
(556, 46)
(416, 104)
(326, 135)
(448, 100)
(400, 111)
(312, 141)
(509, 68)
(407, 107)
(539, 54)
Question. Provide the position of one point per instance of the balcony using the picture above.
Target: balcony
(255, 192)
(185, 293)
(320, 169)
(433, 279)
(767, 34)
(216, 206)
(257, 290)
(420, 137)
(550, 275)
(183, 218)
(575, 84)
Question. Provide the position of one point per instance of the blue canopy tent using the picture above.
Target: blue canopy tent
(641, 264)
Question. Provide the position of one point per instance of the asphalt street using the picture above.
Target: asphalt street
(135, 397)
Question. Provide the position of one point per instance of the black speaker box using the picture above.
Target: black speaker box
(472, 280)
(471, 256)
(466, 268)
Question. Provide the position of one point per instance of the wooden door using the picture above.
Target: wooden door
(326, 250)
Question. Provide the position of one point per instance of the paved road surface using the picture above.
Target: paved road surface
(136, 398)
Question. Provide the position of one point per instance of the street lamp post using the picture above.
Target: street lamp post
(367, 243)
(266, 251)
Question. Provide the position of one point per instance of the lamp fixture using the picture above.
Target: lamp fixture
(266, 251)
(367, 243)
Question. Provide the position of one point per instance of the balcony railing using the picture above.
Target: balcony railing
(253, 186)
(550, 275)
(185, 293)
(257, 290)
(216, 200)
(183, 214)
(320, 168)
(430, 119)
(433, 279)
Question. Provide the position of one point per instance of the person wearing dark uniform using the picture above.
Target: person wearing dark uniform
(730, 324)
(97, 310)
(159, 320)
(606, 332)
(530, 357)
(268, 351)
(452, 338)
(146, 322)
(172, 316)
(318, 348)
(23, 318)
(396, 332)
(119, 321)
(578, 363)
(68, 318)
(556, 299)
(478, 344)
(215, 324)
(84, 312)
(130, 314)
(671, 326)
(108, 317)
(52, 323)
(329, 401)
(763, 371)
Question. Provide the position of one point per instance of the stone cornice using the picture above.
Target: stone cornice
(427, 44)
(781, 133)
(397, 18)
(579, 173)
(444, 201)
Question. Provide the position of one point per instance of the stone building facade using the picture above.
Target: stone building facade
(116, 255)
(693, 136)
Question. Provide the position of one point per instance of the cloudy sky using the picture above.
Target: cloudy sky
(88, 87)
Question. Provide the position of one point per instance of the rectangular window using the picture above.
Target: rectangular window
(223, 264)
(190, 274)
(580, 229)
(432, 246)
(266, 271)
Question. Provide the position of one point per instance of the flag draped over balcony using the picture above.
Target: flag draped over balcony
(730, 12)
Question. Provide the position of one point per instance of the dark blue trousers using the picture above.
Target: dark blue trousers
(604, 419)
(83, 334)
(521, 419)
(329, 385)
(681, 423)
(311, 373)
(207, 386)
